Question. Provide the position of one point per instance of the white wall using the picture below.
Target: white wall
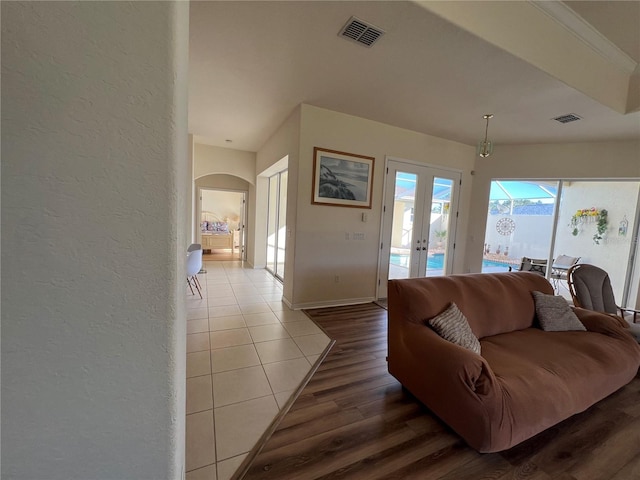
(531, 238)
(321, 249)
(94, 141)
(210, 159)
(223, 182)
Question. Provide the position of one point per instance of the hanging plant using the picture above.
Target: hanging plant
(588, 215)
(601, 226)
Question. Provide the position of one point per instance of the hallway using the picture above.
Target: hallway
(247, 353)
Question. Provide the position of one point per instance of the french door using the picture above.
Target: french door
(419, 224)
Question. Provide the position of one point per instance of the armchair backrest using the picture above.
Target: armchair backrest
(590, 288)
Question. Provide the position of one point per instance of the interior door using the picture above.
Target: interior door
(420, 211)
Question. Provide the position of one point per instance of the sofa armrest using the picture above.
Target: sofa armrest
(599, 322)
(437, 364)
(457, 384)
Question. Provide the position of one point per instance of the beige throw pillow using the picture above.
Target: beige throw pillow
(453, 326)
(555, 314)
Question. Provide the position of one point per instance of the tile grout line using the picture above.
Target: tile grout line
(266, 297)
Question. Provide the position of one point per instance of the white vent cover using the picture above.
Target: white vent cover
(361, 32)
(569, 117)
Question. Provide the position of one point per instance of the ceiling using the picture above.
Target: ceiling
(252, 63)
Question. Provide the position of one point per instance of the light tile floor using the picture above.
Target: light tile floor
(247, 352)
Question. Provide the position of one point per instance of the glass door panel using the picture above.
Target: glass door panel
(439, 226)
(400, 257)
(282, 225)
(520, 224)
(272, 222)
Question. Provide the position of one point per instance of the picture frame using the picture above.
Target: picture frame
(342, 179)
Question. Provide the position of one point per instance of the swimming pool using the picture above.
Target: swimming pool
(436, 262)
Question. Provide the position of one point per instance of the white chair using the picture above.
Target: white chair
(194, 265)
(560, 269)
(194, 246)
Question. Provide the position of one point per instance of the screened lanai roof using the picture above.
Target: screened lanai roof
(500, 189)
(523, 190)
(406, 187)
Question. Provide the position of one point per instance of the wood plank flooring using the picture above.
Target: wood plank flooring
(354, 421)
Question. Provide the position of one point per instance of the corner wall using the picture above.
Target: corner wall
(283, 143)
(94, 185)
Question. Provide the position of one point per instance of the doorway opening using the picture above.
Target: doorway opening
(222, 223)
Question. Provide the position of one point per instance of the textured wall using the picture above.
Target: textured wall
(94, 128)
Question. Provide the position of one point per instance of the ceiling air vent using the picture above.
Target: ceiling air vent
(361, 32)
(570, 117)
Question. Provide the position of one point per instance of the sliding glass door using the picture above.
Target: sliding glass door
(520, 223)
(593, 221)
(276, 224)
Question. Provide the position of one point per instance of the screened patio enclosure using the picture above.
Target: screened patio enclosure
(543, 219)
(519, 223)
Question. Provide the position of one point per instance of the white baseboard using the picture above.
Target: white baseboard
(328, 303)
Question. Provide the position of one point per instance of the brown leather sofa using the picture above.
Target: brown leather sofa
(525, 379)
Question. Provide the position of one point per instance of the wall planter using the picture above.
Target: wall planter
(588, 216)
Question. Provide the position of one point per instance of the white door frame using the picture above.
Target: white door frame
(387, 214)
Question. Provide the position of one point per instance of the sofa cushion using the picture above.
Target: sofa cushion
(555, 314)
(545, 378)
(452, 325)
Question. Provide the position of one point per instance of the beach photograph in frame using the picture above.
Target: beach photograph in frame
(342, 179)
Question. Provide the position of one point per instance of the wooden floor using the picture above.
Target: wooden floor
(353, 420)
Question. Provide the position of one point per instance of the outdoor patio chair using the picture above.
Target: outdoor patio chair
(560, 269)
(590, 288)
(537, 265)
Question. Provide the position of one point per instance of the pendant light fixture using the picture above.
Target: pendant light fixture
(485, 147)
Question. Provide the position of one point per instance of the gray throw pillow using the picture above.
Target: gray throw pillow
(555, 314)
(453, 326)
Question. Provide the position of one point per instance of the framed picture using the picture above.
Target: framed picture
(342, 179)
